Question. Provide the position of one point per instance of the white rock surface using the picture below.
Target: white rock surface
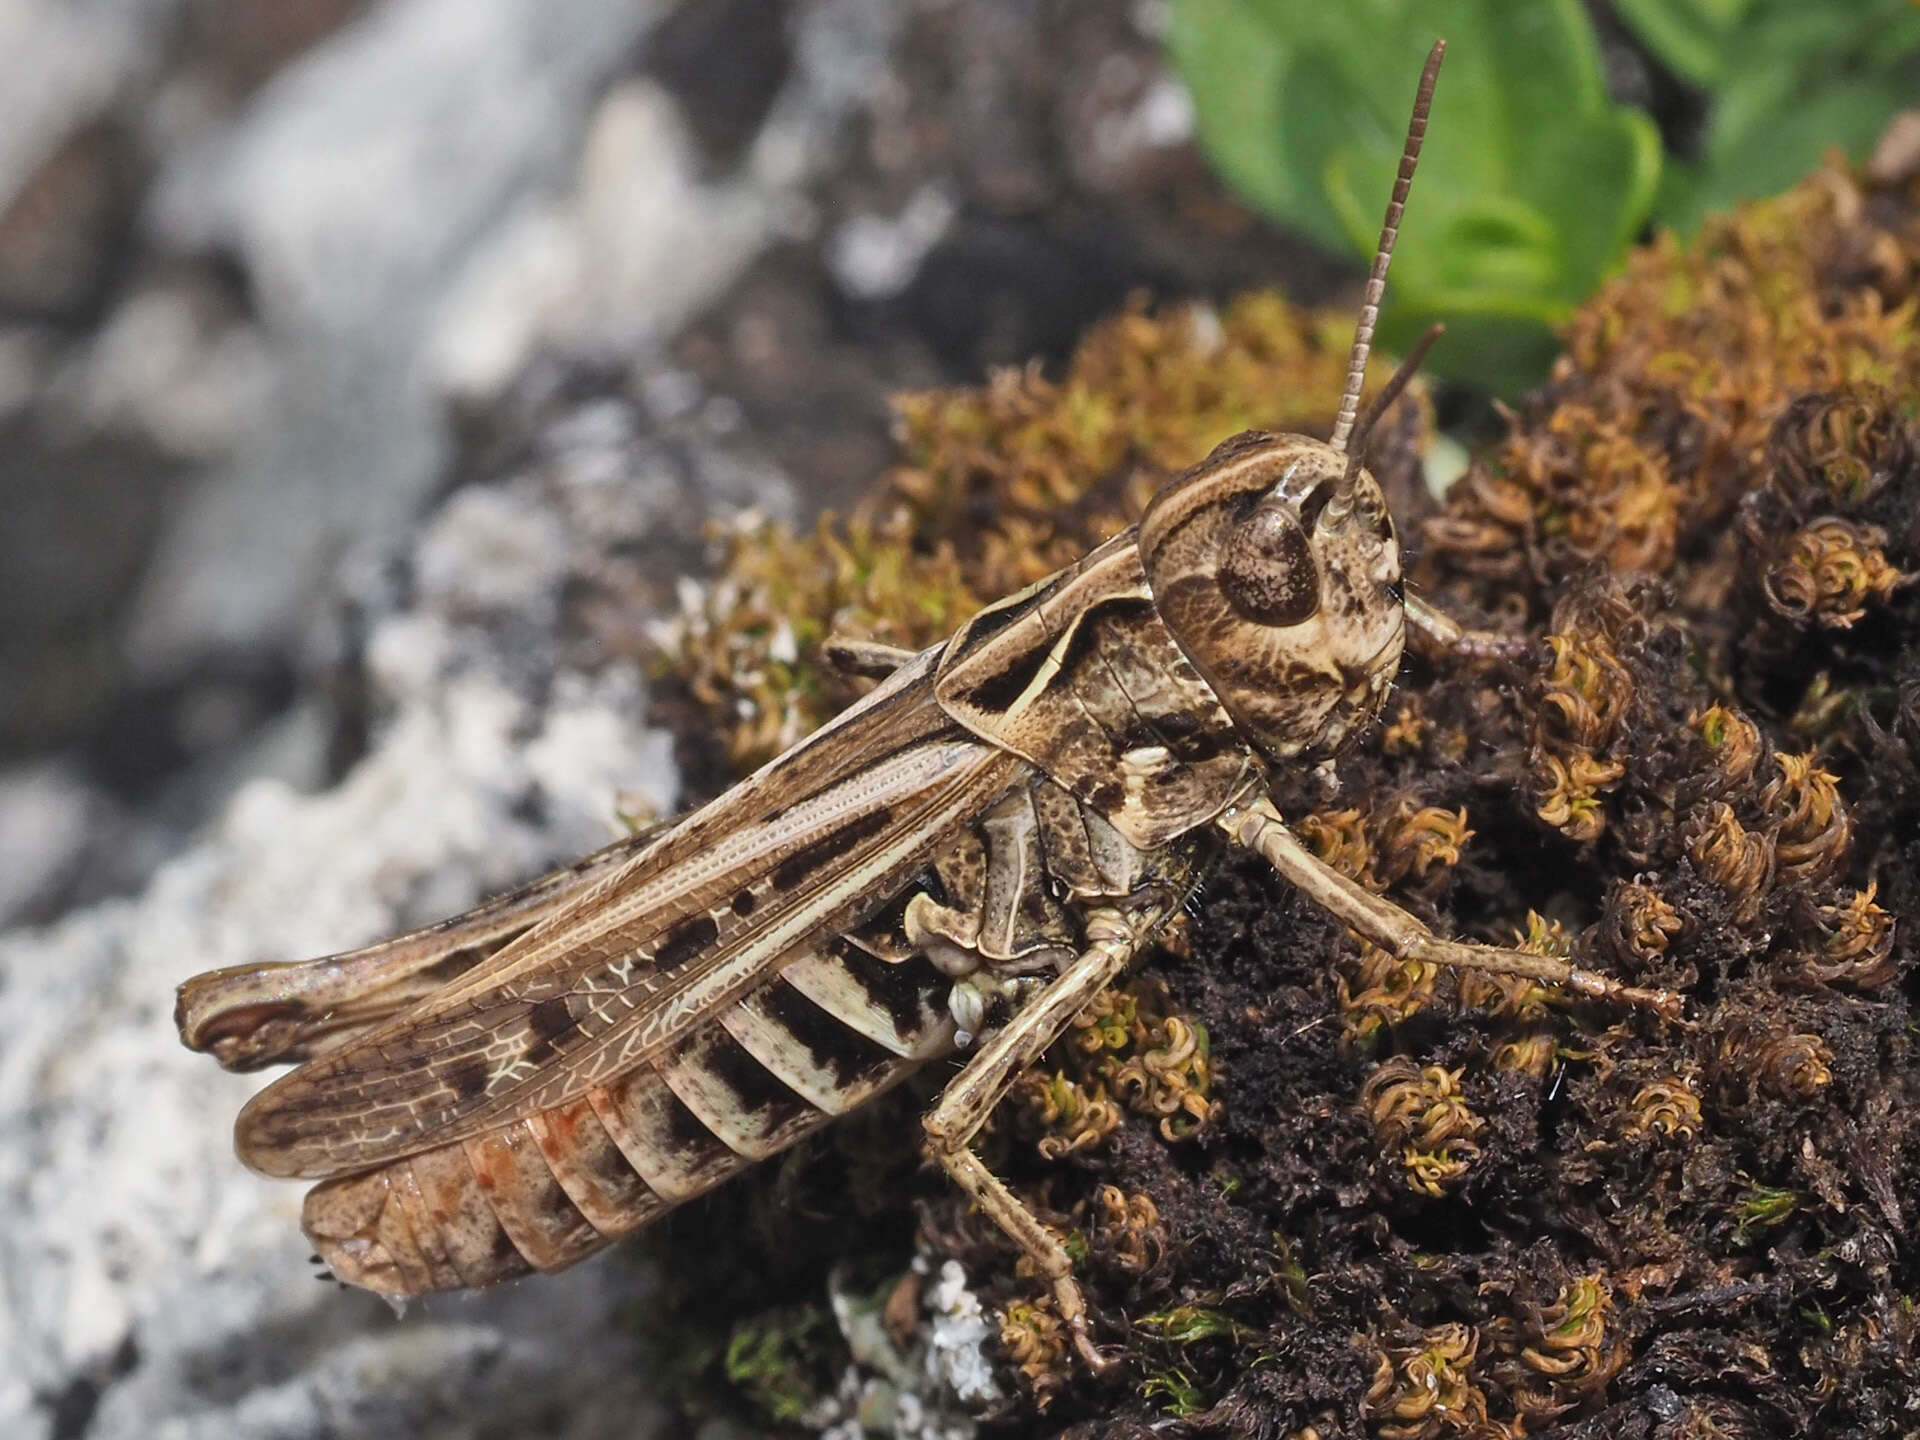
(428, 199)
(61, 63)
(135, 1233)
(149, 1286)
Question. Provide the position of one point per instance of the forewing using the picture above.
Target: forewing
(251, 1016)
(810, 843)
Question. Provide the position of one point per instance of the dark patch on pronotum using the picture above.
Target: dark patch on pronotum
(842, 1052)
(758, 1090)
(685, 941)
(1006, 685)
(996, 618)
(1086, 635)
(806, 861)
(744, 904)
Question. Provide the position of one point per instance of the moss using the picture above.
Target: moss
(784, 1362)
(1504, 1212)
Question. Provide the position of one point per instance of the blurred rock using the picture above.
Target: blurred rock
(64, 228)
(62, 67)
(178, 364)
(640, 247)
(80, 510)
(45, 818)
(351, 189)
(154, 1287)
(238, 44)
(724, 61)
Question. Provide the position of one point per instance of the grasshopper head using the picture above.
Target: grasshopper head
(1274, 561)
(1277, 569)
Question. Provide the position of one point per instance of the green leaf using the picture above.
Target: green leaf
(1772, 156)
(1788, 82)
(1234, 55)
(1688, 36)
(1531, 185)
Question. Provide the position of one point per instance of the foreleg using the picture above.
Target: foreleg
(1439, 633)
(1259, 827)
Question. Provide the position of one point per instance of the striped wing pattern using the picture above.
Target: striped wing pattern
(590, 998)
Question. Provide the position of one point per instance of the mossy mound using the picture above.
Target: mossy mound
(1378, 1200)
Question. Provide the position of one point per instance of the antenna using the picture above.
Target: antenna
(1390, 392)
(1377, 281)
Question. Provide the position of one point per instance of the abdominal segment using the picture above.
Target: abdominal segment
(553, 1188)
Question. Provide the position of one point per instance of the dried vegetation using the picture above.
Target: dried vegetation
(1318, 1192)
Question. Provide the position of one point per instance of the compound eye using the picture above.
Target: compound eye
(1267, 571)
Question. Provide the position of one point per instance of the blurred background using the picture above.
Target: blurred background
(285, 283)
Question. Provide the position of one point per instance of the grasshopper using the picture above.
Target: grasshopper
(958, 863)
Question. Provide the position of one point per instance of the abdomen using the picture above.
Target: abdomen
(835, 1027)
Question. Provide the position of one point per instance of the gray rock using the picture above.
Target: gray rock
(61, 64)
(352, 189)
(148, 1284)
(423, 203)
(135, 1232)
(46, 813)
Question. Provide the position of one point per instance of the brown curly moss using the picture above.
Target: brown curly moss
(1406, 1202)
(746, 647)
(1060, 1115)
(1400, 846)
(1829, 571)
(1420, 1112)
(1854, 945)
(1129, 1046)
(1567, 1351)
(1516, 998)
(1035, 1343)
(1638, 927)
(1423, 1391)
(1658, 419)
(1379, 991)
(1030, 471)
(1664, 1107)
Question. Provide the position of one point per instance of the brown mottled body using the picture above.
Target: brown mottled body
(834, 1028)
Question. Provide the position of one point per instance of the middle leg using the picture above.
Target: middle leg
(1112, 937)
